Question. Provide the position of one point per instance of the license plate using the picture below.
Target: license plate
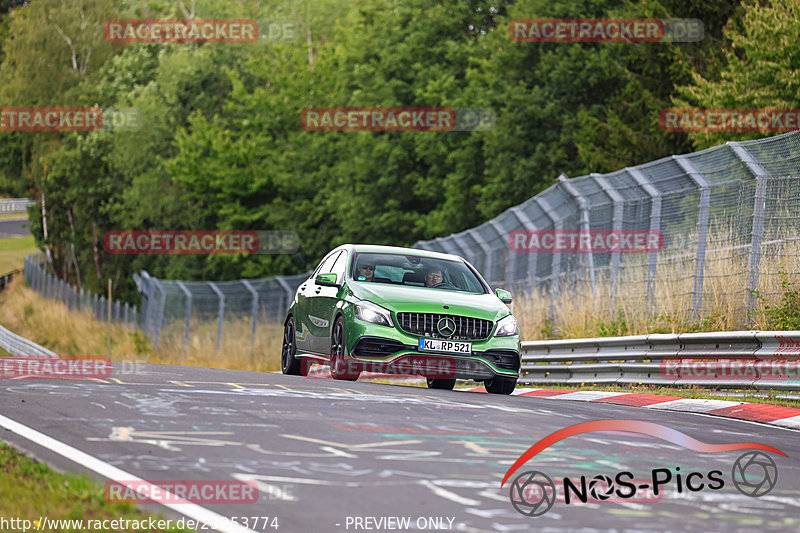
(438, 345)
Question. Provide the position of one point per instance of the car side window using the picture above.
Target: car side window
(326, 264)
(340, 266)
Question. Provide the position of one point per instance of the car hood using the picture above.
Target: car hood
(425, 300)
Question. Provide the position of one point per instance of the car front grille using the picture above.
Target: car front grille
(425, 325)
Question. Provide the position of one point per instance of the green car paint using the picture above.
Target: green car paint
(335, 294)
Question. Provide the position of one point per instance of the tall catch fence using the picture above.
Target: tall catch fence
(719, 212)
(39, 279)
(179, 308)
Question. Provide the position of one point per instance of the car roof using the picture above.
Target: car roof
(375, 248)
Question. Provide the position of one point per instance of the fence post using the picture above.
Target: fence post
(188, 295)
(555, 264)
(573, 191)
(289, 295)
(158, 315)
(254, 310)
(655, 225)
(528, 224)
(220, 312)
(616, 223)
(702, 230)
(757, 233)
(125, 314)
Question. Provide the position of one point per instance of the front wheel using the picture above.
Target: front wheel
(339, 363)
(289, 363)
(444, 384)
(499, 385)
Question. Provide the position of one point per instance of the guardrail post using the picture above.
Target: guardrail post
(757, 233)
(253, 310)
(188, 318)
(702, 230)
(220, 312)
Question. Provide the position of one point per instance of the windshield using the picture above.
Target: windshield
(415, 271)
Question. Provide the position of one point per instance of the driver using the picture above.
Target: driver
(433, 277)
(366, 271)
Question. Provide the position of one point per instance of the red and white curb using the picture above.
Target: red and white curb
(775, 415)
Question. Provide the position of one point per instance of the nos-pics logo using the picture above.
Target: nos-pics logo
(533, 493)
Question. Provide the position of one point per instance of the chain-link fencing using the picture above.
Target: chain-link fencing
(728, 220)
(180, 308)
(39, 279)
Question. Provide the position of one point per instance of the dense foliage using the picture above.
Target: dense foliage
(222, 145)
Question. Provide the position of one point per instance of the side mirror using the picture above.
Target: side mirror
(327, 280)
(504, 295)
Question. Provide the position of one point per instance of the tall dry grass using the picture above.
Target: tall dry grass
(51, 324)
(577, 312)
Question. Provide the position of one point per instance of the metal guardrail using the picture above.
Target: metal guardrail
(16, 345)
(738, 359)
(15, 205)
(5, 279)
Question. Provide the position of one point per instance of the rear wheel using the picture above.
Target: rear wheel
(437, 383)
(498, 385)
(339, 367)
(289, 363)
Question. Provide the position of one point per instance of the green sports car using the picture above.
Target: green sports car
(403, 311)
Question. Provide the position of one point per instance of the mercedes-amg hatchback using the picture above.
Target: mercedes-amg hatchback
(405, 311)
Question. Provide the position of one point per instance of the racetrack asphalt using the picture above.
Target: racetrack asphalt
(325, 452)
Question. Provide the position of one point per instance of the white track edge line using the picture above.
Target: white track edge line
(190, 510)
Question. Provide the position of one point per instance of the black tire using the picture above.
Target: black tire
(338, 360)
(444, 384)
(499, 385)
(289, 363)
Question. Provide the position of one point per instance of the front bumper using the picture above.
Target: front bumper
(490, 358)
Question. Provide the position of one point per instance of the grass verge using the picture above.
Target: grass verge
(29, 490)
(13, 251)
(51, 324)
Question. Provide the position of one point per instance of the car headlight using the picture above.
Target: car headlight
(506, 327)
(370, 312)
